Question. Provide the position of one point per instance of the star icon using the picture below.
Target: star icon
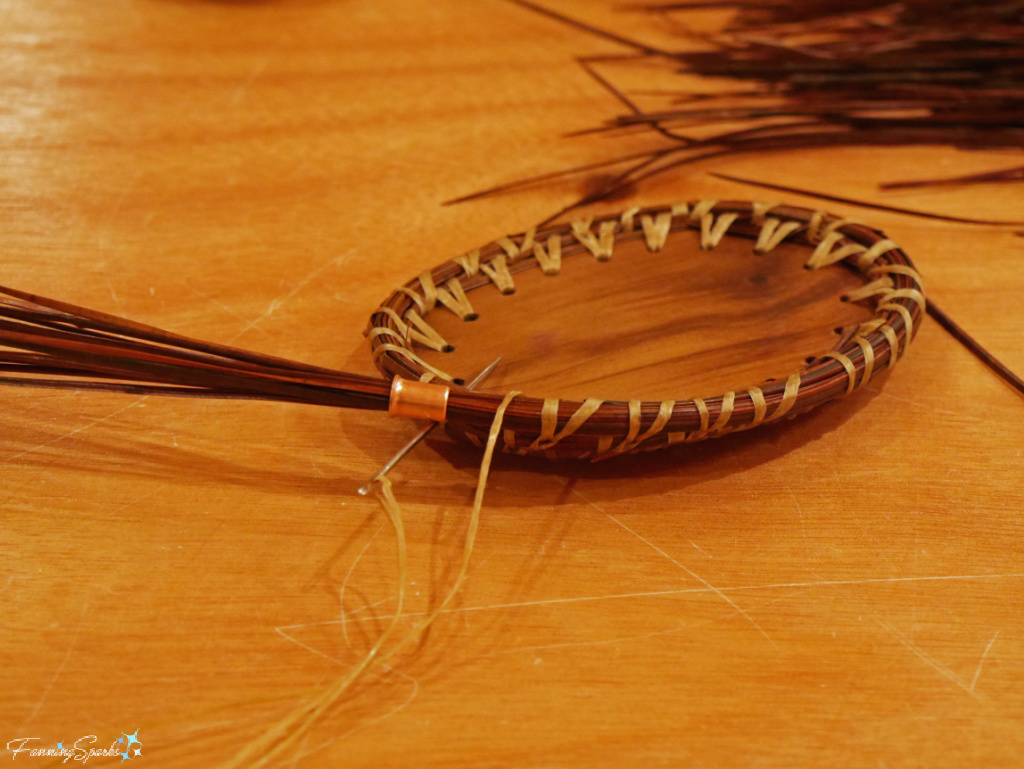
(138, 752)
(133, 739)
(125, 757)
(60, 746)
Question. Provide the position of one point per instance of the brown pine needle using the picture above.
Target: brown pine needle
(866, 203)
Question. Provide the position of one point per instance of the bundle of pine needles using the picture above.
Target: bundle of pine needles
(47, 343)
(825, 73)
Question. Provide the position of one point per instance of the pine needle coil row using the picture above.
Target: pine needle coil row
(598, 429)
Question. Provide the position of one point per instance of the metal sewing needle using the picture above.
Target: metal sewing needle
(423, 433)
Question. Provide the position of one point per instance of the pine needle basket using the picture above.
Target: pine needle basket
(599, 429)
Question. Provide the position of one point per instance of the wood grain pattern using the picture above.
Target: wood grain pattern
(842, 589)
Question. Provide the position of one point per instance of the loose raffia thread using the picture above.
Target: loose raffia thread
(286, 733)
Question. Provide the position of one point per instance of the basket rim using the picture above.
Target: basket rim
(893, 286)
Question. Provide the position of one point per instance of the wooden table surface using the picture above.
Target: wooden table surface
(840, 590)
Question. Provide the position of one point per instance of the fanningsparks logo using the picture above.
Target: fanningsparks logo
(127, 746)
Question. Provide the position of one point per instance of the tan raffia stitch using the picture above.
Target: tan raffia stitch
(903, 311)
(407, 353)
(633, 441)
(834, 225)
(385, 331)
(760, 406)
(401, 325)
(634, 426)
(760, 210)
(898, 269)
(628, 217)
(469, 262)
(772, 233)
(789, 396)
(728, 404)
(894, 343)
(549, 420)
(880, 287)
(904, 293)
(700, 209)
(869, 359)
(515, 252)
(873, 254)
(870, 326)
(497, 271)
(656, 229)
(508, 438)
(549, 259)
(627, 443)
(814, 226)
(429, 291)
(604, 444)
(416, 298)
(831, 250)
(664, 414)
(713, 229)
(423, 333)
(851, 370)
(600, 245)
(702, 410)
(455, 299)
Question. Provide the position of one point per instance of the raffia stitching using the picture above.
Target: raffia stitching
(772, 233)
(760, 210)
(423, 333)
(880, 287)
(713, 229)
(851, 371)
(429, 292)
(898, 269)
(832, 249)
(410, 355)
(869, 359)
(633, 439)
(469, 262)
(626, 219)
(497, 271)
(456, 300)
(549, 422)
(599, 245)
(550, 258)
(514, 251)
(789, 396)
(656, 229)
(416, 298)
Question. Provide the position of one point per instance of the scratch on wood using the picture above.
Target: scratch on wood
(693, 574)
(928, 659)
(984, 654)
(60, 668)
(278, 302)
(692, 590)
(76, 430)
(344, 584)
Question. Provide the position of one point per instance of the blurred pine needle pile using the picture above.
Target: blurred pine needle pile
(795, 74)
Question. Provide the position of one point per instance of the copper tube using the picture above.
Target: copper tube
(418, 400)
